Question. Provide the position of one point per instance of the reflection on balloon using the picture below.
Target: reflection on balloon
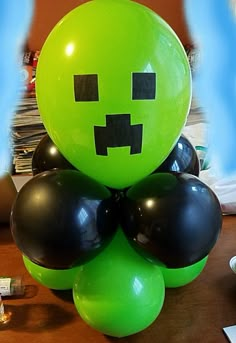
(173, 217)
(47, 156)
(183, 158)
(177, 277)
(62, 218)
(119, 293)
(58, 279)
(107, 132)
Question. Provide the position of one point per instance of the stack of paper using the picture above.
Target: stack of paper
(196, 114)
(27, 131)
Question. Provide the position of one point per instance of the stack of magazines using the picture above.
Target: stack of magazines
(27, 131)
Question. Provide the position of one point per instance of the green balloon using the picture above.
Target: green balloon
(59, 279)
(119, 293)
(113, 89)
(182, 276)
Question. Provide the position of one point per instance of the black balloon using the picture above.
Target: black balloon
(117, 194)
(63, 218)
(172, 217)
(47, 157)
(183, 158)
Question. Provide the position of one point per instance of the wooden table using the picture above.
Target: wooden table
(193, 313)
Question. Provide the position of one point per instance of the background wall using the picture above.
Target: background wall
(48, 13)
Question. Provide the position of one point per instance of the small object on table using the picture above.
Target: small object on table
(4, 317)
(10, 286)
(232, 264)
(230, 332)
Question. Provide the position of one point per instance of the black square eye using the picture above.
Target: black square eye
(86, 87)
(143, 86)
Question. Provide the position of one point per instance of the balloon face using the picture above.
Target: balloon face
(116, 90)
(47, 157)
(59, 279)
(173, 217)
(119, 293)
(183, 158)
(177, 277)
(62, 218)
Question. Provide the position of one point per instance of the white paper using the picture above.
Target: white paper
(230, 332)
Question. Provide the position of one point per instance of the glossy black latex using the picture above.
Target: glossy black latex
(47, 157)
(61, 218)
(173, 217)
(183, 158)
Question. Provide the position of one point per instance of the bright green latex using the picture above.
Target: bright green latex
(119, 293)
(59, 279)
(182, 276)
(113, 39)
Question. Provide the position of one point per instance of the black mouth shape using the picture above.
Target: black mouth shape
(118, 132)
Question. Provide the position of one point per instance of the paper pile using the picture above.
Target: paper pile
(27, 131)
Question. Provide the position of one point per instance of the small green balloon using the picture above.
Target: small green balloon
(116, 97)
(119, 293)
(182, 276)
(58, 279)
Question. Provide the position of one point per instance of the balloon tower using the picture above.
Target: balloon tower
(127, 215)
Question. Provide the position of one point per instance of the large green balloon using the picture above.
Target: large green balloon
(119, 293)
(113, 89)
(178, 277)
(59, 279)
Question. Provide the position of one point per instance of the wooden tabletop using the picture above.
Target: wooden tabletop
(194, 313)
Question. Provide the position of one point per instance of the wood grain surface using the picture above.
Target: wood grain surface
(194, 313)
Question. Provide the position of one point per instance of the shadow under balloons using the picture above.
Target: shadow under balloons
(36, 318)
(65, 295)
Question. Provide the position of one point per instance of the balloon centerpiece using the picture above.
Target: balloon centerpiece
(114, 103)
